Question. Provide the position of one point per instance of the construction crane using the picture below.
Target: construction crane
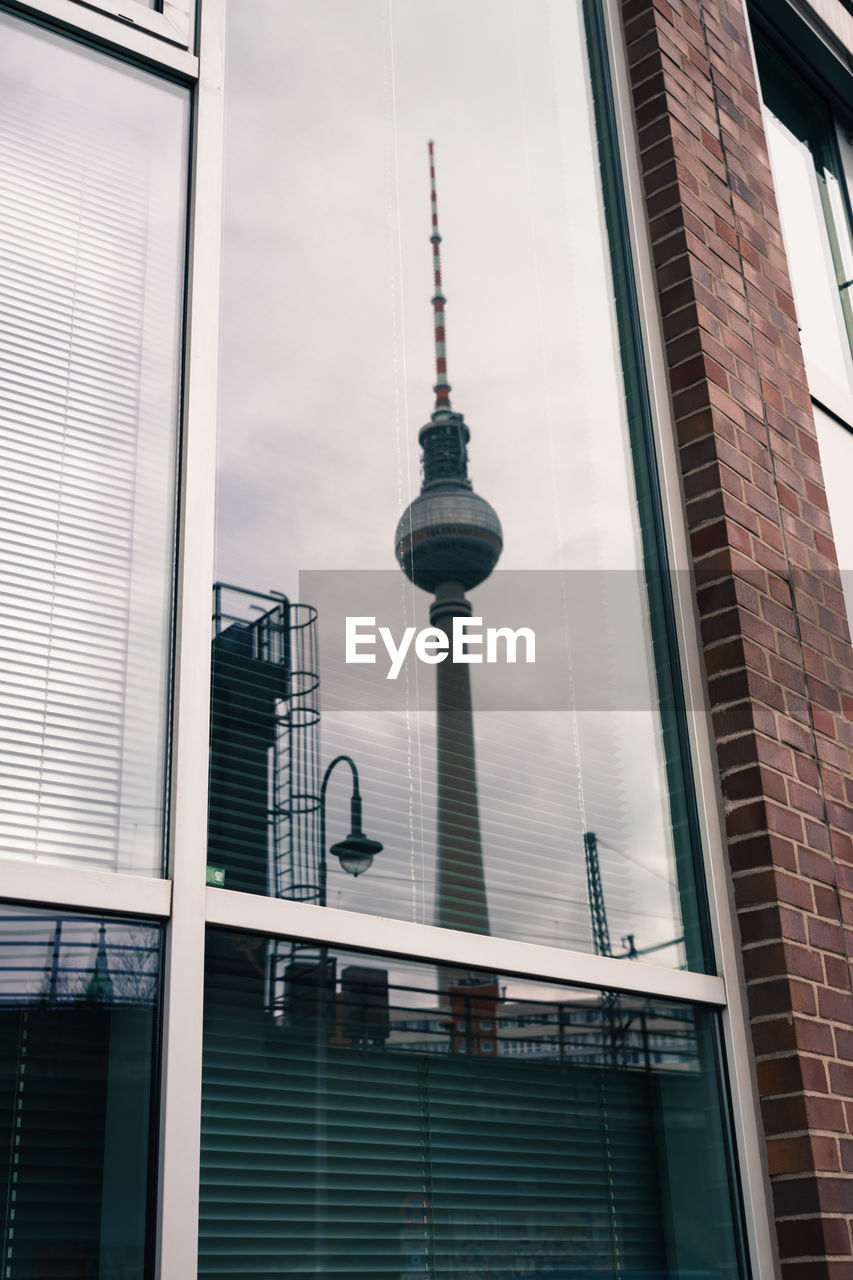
(597, 911)
(611, 1016)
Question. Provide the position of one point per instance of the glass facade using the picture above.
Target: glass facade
(507, 792)
(79, 1031)
(409, 229)
(375, 1097)
(381, 1118)
(92, 211)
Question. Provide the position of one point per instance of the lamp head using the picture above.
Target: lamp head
(356, 852)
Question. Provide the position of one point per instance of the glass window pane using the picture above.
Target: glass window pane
(489, 821)
(92, 209)
(836, 456)
(366, 1117)
(808, 182)
(79, 1001)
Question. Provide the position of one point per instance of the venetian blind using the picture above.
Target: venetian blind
(410, 1155)
(90, 247)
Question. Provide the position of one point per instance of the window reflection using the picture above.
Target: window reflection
(79, 1003)
(836, 454)
(814, 210)
(91, 268)
(329, 344)
(365, 1116)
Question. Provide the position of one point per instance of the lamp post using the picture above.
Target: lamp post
(356, 851)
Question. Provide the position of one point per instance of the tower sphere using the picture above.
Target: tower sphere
(448, 534)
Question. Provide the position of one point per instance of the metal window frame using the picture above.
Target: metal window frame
(182, 900)
(177, 901)
(176, 1255)
(821, 62)
(162, 42)
(174, 20)
(329, 926)
(39, 883)
(751, 1156)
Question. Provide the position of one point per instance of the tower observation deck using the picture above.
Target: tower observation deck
(448, 541)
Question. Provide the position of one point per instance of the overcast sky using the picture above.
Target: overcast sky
(327, 375)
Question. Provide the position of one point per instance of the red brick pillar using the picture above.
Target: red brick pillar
(776, 644)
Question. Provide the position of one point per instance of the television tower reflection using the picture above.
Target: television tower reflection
(449, 541)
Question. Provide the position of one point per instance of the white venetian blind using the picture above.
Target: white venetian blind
(91, 231)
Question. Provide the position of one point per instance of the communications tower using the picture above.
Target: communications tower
(448, 542)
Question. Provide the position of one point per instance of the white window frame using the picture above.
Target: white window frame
(173, 21)
(827, 393)
(164, 40)
(182, 901)
(748, 1136)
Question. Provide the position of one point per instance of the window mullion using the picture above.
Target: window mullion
(177, 1234)
(327, 926)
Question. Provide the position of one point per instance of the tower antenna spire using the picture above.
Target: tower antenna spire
(442, 386)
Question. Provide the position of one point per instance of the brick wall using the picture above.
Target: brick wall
(777, 652)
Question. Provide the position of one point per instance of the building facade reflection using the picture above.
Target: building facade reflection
(407, 1119)
(79, 1031)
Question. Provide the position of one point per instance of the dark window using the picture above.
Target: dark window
(322, 1156)
(79, 1002)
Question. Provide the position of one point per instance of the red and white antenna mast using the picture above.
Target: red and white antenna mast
(442, 386)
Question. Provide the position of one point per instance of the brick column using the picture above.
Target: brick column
(776, 644)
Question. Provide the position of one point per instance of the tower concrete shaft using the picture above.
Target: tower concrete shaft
(460, 900)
